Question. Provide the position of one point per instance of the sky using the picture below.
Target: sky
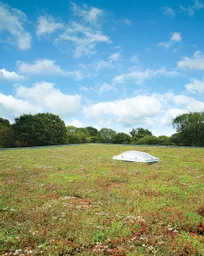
(105, 63)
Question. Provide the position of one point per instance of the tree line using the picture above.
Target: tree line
(48, 129)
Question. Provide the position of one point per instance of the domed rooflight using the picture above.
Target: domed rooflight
(136, 156)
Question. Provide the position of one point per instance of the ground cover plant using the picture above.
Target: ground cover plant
(76, 200)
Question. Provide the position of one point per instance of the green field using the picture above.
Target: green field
(76, 200)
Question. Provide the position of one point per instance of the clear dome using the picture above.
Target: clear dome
(136, 156)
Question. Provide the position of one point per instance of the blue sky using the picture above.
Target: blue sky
(116, 64)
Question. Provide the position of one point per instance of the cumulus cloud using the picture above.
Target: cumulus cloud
(10, 75)
(145, 110)
(47, 25)
(76, 123)
(195, 86)
(50, 99)
(12, 22)
(175, 38)
(46, 67)
(11, 107)
(184, 102)
(139, 76)
(171, 114)
(196, 62)
(128, 111)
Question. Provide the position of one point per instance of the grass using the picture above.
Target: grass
(76, 200)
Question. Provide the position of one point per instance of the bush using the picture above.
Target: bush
(164, 140)
(149, 140)
(122, 138)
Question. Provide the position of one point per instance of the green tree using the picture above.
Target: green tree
(122, 138)
(149, 140)
(107, 135)
(54, 129)
(92, 131)
(177, 139)
(77, 135)
(190, 127)
(38, 130)
(164, 140)
(6, 135)
(28, 131)
(140, 133)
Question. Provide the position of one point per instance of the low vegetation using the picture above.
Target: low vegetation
(76, 200)
(48, 129)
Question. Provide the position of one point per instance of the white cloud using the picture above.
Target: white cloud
(127, 21)
(84, 35)
(115, 56)
(102, 65)
(184, 102)
(12, 21)
(194, 63)
(171, 114)
(76, 123)
(195, 86)
(47, 25)
(198, 5)
(105, 87)
(179, 99)
(120, 79)
(49, 98)
(99, 89)
(10, 76)
(89, 14)
(143, 110)
(134, 59)
(10, 107)
(168, 11)
(128, 111)
(165, 44)
(85, 38)
(46, 67)
(175, 38)
(139, 76)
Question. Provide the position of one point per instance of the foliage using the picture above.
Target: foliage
(76, 200)
(49, 129)
(164, 140)
(92, 131)
(77, 135)
(149, 140)
(122, 138)
(40, 129)
(190, 126)
(6, 135)
(177, 139)
(107, 135)
(139, 133)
